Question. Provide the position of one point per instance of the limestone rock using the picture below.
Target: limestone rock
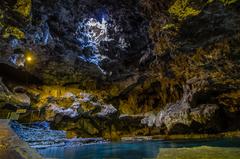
(53, 110)
(22, 98)
(107, 110)
(182, 117)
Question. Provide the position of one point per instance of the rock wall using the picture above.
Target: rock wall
(162, 66)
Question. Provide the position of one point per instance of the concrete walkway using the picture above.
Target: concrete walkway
(12, 147)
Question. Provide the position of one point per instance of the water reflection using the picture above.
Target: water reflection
(130, 150)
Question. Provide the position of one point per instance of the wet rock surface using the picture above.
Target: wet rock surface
(39, 135)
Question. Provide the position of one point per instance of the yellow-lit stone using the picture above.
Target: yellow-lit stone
(169, 26)
(24, 7)
(71, 134)
(14, 32)
(182, 10)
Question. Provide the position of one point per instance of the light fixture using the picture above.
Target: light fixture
(29, 58)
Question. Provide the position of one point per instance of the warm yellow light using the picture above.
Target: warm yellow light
(29, 58)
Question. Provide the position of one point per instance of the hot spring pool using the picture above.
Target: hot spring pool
(135, 150)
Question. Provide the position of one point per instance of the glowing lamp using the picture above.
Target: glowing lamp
(29, 58)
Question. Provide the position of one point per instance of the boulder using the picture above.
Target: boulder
(106, 110)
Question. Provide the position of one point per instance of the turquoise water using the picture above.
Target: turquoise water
(130, 150)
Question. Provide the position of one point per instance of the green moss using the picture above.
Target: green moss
(13, 31)
(24, 7)
(181, 9)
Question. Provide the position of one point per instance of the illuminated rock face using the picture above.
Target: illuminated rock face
(138, 56)
(17, 59)
(42, 35)
(91, 33)
(92, 39)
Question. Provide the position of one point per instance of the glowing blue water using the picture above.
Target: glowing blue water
(129, 150)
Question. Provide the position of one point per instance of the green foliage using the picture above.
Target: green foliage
(182, 9)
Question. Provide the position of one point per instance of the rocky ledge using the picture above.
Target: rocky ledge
(39, 135)
(12, 147)
(203, 152)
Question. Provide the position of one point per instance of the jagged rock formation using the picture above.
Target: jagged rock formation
(163, 66)
(39, 135)
(183, 117)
